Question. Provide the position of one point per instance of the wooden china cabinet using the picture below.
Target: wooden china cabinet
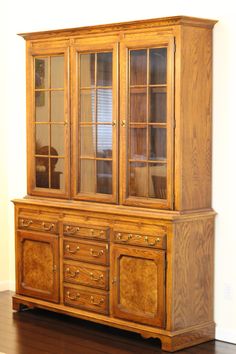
(117, 227)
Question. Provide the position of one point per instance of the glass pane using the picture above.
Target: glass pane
(104, 69)
(104, 141)
(87, 106)
(138, 67)
(158, 105)
(104, 105)
(87, 140)
(157, 181)
(87, 176)
(138, 104)
(41, 169)
(158, 143)
(42, 139)
(138, 179)
(104, 177)
(57, 139)
(57, 106)
(57, 174)
(138, 143)
(41, 106)
(41, 73)
(87, 70)
(57, 72)
(158, 66)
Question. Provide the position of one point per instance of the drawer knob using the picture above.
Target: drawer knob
(96, 278)
(74, 297)
(96, 303)
(72, 251)
(120, 237)
(102, 233)
(48, 226)
(72, 274)
(26, 223)
(152, 243)
(96, 253)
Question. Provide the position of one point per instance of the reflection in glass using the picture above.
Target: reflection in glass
(104, 177)
(57, 106)
(87, 176)
(137, 179)
(42, 172)
(87, 140)
(158, 105)
(87, 70)
(41, 73)
(158, 143)
(87, 106)
(57, 174)
(57, 71)
(158, 65)
(104, 141)
(104, 69)
(42, 138)
(138, 104)
(104, 105)
(138, 67)
(41, 106)
(57, 138)
(138, 144)
(157, 181)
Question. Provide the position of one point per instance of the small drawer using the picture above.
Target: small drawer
(38, 225)
(135, 238)
(85, 274)
(90, 252)
(89, 232)
(87, 299)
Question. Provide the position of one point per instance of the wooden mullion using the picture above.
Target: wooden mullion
(49, 120)
(52, 156)
(49, 89)
(95, 108)
(147, 121)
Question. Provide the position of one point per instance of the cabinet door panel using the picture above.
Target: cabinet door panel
(38, 265)
(147, 96)
(138, 285)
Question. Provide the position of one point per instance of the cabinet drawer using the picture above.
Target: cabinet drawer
(89, 232)
(85, 274)
(38, 225)
(86, 252)
(157, 240)
(87, 299)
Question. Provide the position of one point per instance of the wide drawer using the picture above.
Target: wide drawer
(83, 231)
(38, 225)
(87, 299)
(86, 274)
(90, 252)
(135, 237)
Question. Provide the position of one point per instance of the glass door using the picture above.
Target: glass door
(48, 141)
(147, 123)
(95, 121)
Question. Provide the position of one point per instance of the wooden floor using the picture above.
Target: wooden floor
(43, 332)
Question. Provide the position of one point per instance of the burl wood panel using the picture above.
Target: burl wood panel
(193, 119)
(193, 273)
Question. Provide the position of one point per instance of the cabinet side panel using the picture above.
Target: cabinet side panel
(193, 273)
(193, 174)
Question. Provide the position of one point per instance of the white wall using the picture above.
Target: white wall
(26, 16)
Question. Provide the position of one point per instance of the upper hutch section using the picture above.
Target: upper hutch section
(121, 113)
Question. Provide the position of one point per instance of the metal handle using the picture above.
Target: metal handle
(72, 274)
(119, 236)
(54, 269)
(114, 280)
(48, 228)
(152, 243)
(96, 253)
(73, 298)
(123, 123)
(96, 303)
(70, 251)
(98, 278)
(71, 229)
(26, 223)
(114, 123)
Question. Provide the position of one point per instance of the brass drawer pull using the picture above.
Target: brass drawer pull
(26, 223)
(98, 278)
(96, 303)
(157, 240)
(48, 228)
(123, 123)
(119, 236)
(96, 253)
(73, 298)
(102, 233)
(70, 251)
(71, 229)
(72, 274)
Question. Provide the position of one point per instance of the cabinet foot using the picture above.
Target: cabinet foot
(18, 306)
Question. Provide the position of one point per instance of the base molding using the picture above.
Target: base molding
(171, 341)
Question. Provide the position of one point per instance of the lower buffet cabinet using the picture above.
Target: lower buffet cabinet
(151, 274)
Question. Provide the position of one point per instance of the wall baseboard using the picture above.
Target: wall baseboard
(7, 285)
(226, 334)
